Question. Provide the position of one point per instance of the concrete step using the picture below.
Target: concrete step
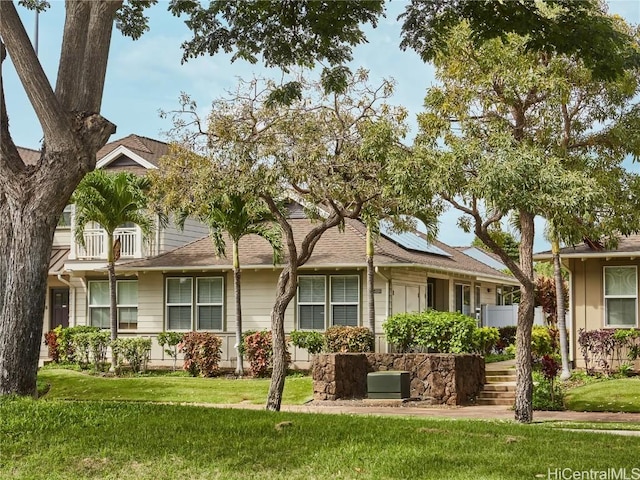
(488, 394)
(500, 387)
(501, 371)
(494, 401)
(499, 378)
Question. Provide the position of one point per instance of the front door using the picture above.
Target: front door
(59, 307)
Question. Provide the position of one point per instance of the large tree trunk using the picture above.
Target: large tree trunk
(32, 197)
(237, 294)
(370, 287)
(524, 380)
(561, 310)
(287, 284)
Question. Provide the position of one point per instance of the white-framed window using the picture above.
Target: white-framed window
(345, 300)
(311, 302)
(209, 303)
(200, 309)
(620, 296)
(463, 298)
(126, 300)
(65, 219)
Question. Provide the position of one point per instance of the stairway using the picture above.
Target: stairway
(500, 385)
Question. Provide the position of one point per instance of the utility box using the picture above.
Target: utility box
(388, 384)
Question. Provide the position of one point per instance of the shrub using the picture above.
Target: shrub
(311, 341)
(258, 348)
(542, 342)
(542, 396)
(91, 347)
(401, 329)
(485, 340)
(202, 352)
(170, 340)
(446, 332)
(51, 341)
(136, 351)
(66, 350)
(507, 337)
(340, 339)
(600, 348)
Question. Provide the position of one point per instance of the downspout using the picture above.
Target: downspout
(157, 245)
(72, 294)
(388, 296)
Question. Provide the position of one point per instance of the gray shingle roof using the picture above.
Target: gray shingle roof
(335, 249)
(627, 246)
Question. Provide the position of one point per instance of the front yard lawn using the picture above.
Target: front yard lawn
(619, 395)
(118, 440)
(72, 385)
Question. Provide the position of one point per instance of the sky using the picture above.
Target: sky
(147, 75)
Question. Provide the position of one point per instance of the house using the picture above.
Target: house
(603, 287)
(174, 281)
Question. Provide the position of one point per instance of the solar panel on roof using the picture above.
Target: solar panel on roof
(410, 240)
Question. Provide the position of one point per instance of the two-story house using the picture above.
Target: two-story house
(174, 281)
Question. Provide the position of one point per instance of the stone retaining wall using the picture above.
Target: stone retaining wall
(440, 379)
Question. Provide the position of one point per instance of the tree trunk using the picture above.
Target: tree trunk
(26, 236)
(370, 286)
(286, 289)
(237, 293)
(113, 300)
(524, 380)
(561, 310)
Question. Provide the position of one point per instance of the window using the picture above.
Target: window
(463, 299)
(205, 311)
(620, 296)
(99, 304)
(65, 219)
(209, 303)
(311, 302)
(345, 300)
(431, 287)
(126, 299)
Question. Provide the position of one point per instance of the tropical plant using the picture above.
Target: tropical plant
(111, 200)
(170, 341)
(239, 215)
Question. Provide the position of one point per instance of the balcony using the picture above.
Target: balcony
(95, 244)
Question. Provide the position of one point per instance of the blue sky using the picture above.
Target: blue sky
(147, 75)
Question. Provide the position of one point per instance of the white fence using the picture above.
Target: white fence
(505, 315)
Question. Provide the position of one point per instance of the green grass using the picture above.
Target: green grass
(57, 440)
(619, 395)
(71, 385)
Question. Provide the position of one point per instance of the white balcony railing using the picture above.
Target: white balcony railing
(95, 243)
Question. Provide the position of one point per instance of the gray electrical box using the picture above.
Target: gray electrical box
(388, 384)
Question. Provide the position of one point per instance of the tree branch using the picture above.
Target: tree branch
(54, 122)
(74, 45)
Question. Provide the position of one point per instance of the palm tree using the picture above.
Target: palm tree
(238, 215)
(111, 200)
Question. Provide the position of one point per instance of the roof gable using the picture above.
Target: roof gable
(117, 155)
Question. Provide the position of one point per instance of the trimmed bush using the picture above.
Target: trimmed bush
(348, 339)
(447, 332)
(66, 350)
(258, 348)
(202, 353)
(91, 348)
(311, 341)
(485, 340)
(169, 341)
(136, 351)
(401, 329)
